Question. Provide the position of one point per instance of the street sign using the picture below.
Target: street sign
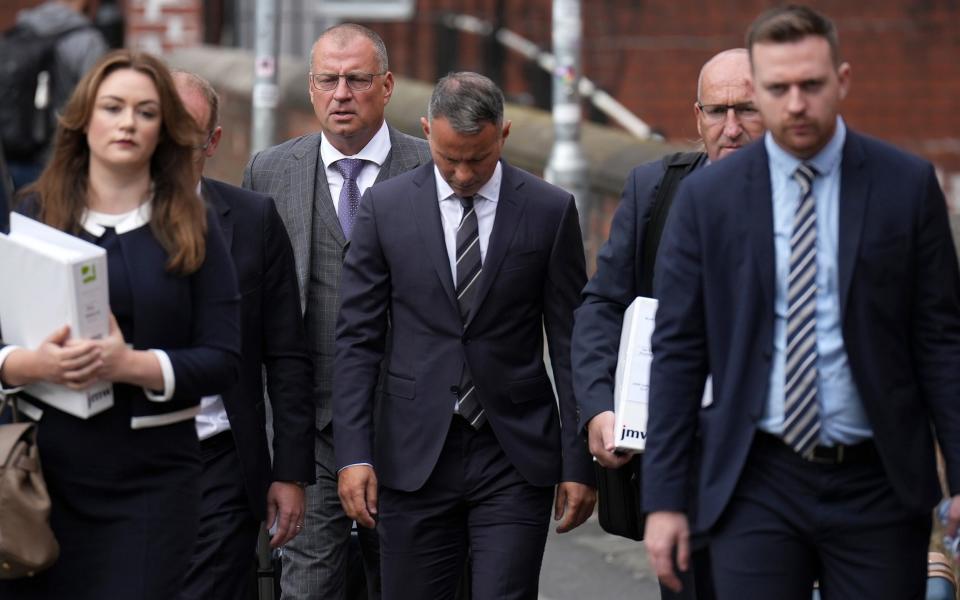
(372, 10)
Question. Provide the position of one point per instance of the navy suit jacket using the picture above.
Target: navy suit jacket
(274, 342)
(616, 283)
(397, 267)
(900, 318)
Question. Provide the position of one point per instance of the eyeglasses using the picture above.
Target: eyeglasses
(206, 143)
(714, 113)
(358, 82)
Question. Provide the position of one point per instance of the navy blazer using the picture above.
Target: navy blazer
(397, 266)
(900, 318)
(274, 342)
(195, 318)
(598, 321)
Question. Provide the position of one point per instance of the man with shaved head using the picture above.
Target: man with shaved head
(726, 121)
(317, 180)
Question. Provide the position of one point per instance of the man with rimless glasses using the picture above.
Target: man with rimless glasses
(317, 181)
(726, 120)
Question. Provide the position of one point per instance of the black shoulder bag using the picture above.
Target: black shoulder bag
(620, 509)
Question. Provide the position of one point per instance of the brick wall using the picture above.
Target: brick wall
(904, 54)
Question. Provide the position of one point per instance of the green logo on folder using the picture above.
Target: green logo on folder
(88, 273)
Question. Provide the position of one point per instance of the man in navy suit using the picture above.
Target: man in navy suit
(727, 119)
(469, 259)
(240, 484)
(814, 276)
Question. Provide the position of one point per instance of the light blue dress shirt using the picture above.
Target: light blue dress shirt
(842, 418)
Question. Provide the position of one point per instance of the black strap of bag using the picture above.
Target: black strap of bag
(619, 506)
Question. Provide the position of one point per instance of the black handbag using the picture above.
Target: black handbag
(619, 505)
(618, 499)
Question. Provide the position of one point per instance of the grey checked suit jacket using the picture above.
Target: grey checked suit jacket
(288, 173)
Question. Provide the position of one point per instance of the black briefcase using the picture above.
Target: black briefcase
(618, 499)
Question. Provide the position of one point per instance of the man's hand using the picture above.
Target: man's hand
(665, 532)
(574, 504)
(953, 516)
(601, 441)
(285, 509)
(357, 488)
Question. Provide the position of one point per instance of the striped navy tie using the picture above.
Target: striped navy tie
(801, 419)
(469, 265)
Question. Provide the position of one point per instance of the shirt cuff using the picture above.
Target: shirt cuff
(4, 353)
(360, 464)
(169, 381)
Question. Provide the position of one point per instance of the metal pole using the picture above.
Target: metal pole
(265, 91)
(567, 166)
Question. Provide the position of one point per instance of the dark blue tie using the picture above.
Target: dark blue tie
(801, 418)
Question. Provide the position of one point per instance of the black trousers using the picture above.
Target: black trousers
(474, 498)
(791, 522)
(224, 561)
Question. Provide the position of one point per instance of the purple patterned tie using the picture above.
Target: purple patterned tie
(349, 169)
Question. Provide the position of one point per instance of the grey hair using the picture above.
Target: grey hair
(345, 32)
(467, 100)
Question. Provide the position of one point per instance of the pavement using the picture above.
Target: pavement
(588, 563)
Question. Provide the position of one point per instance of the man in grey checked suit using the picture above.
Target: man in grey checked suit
(317, 180)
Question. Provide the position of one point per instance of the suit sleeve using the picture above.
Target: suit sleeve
(212, 363)
(248, 174)
(936, 324)
(680, 360)
(599, 320)
(361, 335)
(285, 358)
(566, 276)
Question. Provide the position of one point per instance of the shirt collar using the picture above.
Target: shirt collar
(375, 151)
(825, 161)
(489, 191)
(95, 222)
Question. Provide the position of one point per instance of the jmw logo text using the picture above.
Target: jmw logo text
(632, 433)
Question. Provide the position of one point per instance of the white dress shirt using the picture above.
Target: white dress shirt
(485, 205)
(375, 153)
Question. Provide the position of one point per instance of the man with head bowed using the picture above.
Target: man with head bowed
(470, 260)
(813, 275)
(317, 180)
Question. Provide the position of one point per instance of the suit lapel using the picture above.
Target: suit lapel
(510, 207)
(400, 159)
(214, 199)
(854, 191)
(759, 215)
(300, 184)
(426, 209)
(325, 207)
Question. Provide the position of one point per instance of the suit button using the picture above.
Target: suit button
(465, 340)
(455, 390)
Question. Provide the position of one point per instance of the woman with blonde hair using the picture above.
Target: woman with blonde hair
(123, 482)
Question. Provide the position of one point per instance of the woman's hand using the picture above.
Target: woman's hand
(58, 359)
(123, 364)
(115, 355)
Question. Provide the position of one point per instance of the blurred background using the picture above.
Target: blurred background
(645, 54)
